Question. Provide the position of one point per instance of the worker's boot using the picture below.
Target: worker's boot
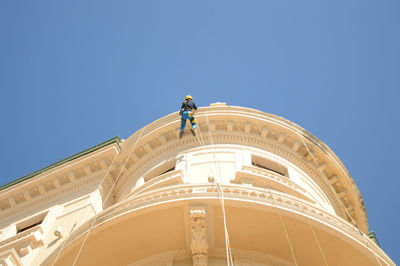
(193, 132)
(180, 134)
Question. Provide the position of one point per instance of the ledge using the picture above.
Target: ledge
(33, 236)
(116, 140)
(167, 179)
(10, 256)
(233, 195)
(263, 178)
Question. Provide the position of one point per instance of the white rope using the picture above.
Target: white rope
(97, 199)
(309, 223)
(63, 244)
(221, 199)
(227, 242)
(65, 241)
(106, 198)
(283, 225)
(229, 256)
(344, 207)
(316, 239)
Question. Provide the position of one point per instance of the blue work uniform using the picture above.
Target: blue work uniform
(186, 112)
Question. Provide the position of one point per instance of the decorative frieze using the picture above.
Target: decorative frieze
(282, 137)
(50, 196)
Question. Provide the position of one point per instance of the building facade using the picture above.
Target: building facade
(250, 189)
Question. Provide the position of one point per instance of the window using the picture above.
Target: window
(30, 223)
(160, 169)
(269, 165)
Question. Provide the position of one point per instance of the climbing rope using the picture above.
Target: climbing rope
(97, 199)
(106, 198)
(339, 200)
(65, 241)
(316, 239)
(283, 225)
(309, 223)
(229, 256)
(221, 192)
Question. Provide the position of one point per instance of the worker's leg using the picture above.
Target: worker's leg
(185, 115)
(183, 124)
(192, 120)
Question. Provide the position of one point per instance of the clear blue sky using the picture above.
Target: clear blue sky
(76, 73)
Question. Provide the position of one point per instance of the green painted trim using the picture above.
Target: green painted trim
(116, 140)
(372, 236)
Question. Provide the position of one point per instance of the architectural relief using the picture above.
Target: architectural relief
(10, 258)
(198, 242)
(136, 201)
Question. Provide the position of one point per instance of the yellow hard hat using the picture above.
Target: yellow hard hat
(188, 97)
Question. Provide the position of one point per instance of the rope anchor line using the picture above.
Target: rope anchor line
(220, 197)
(229, 257)
(353, 222)
(95, 203)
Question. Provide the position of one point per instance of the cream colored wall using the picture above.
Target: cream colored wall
(222, 162)
(69, 217)
(68, 195)
(239, 133)
(219, 163)
(64, 217)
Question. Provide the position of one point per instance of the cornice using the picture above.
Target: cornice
(115, 140)
(52, 185)
(248, 127)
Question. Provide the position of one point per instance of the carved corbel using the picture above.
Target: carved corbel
(198, 243)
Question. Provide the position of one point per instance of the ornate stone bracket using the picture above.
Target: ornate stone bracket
(198, 242)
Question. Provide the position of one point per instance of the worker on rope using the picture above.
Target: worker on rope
(187, 109)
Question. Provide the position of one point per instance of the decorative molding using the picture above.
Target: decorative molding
(262, 125)
(24, 242)
(233, 195)
(10, 258)
(198, 239)
(52, 182)
(252, 140)
(49, 197)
